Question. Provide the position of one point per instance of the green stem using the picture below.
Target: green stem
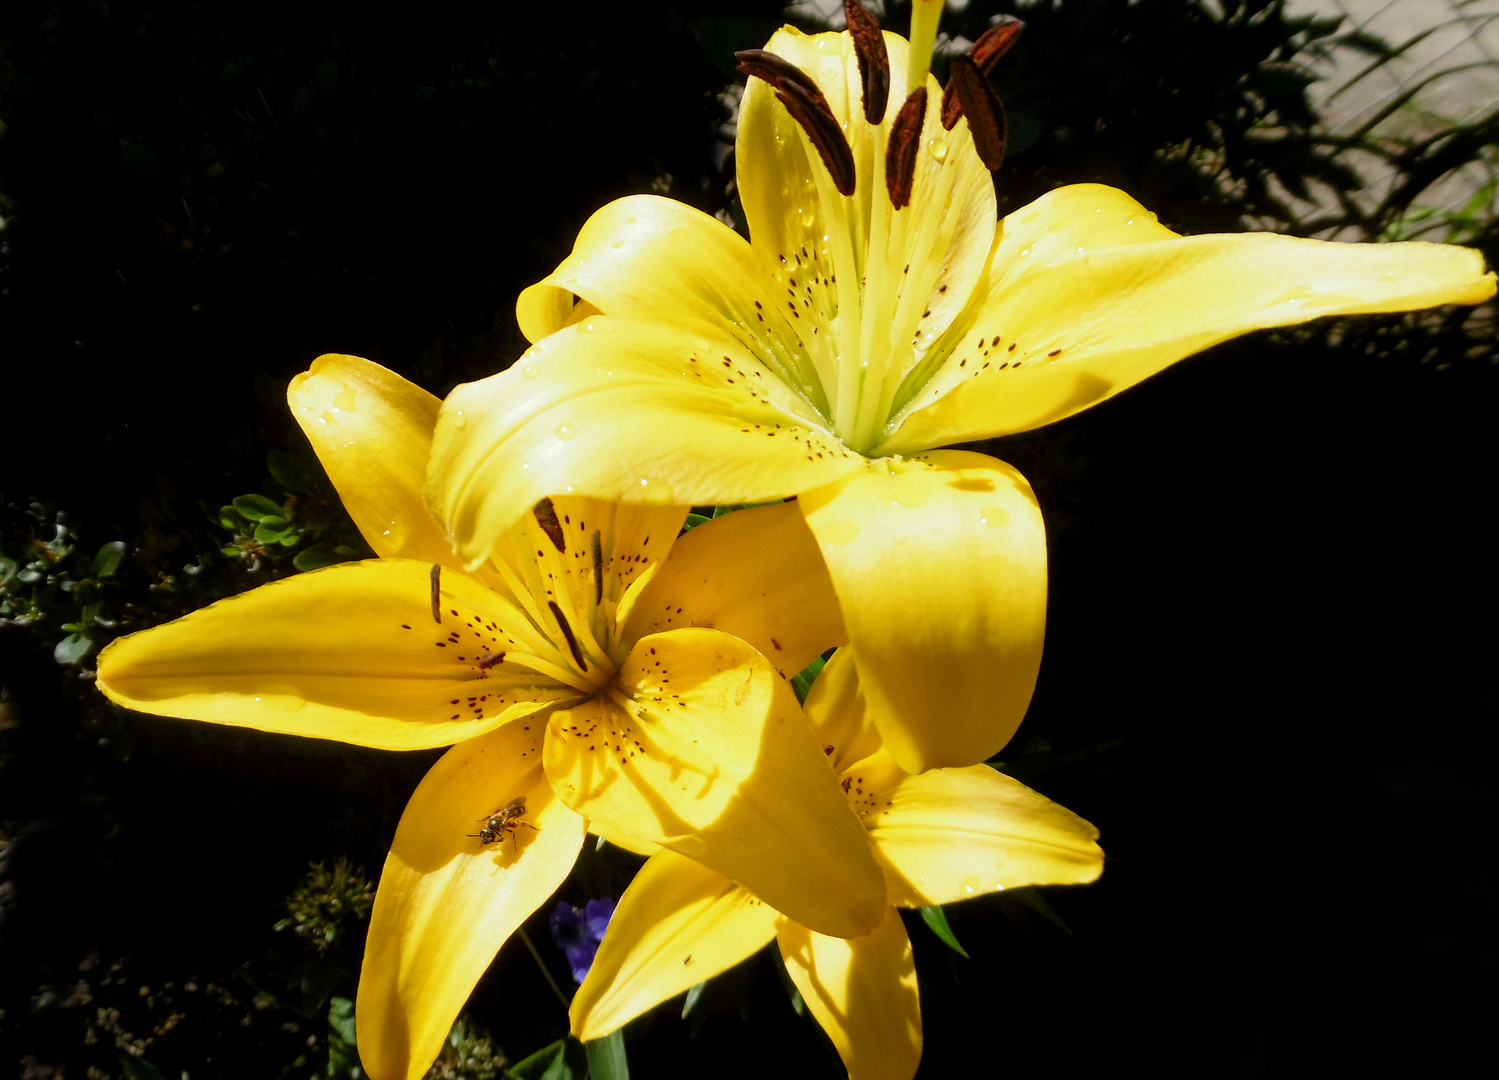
(547, 975)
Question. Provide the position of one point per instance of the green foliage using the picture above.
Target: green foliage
(264, 530)
(49, 581)
(936, 921)
(330, 906)
(803, 680)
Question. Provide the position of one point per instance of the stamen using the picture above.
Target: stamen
(567, 632)
(490, 659)
(598, 568)
(774, 69)
(986, 51)
(874, 61)
(795, 89)
(986, 115)
(546, 517)
(823, 129)
(900, 155)
(436, 593)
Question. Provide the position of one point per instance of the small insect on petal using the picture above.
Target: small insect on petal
(986, 115)
(986, 51)
(900, 154)
(436, 593)
(874, 61)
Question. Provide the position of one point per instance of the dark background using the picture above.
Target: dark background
(1269, 676)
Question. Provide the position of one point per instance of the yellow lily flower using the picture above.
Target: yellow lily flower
(595, 673)
(941, 836)
(675, 362)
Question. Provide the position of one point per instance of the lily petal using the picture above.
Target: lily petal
(678, 924)
(349, 653)
(756, 574)
(1063, 325)
(940, 565)
(951, 834)
(906, 275)
(702, 748)
(863, 993)
(722, 428)
(838, 711)
(447, 901)
(372, 430)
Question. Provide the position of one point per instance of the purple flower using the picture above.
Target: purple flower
(578, 932)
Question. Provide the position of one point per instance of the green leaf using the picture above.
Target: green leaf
(258, 507)
(108, 559)
(693, 521)
(803, 681)
(230, 518)
(138, 1068)
(693, 996)
(230, 549)
(317, 556)
(72, 649)
(797, 1004)
(606, 1057)
(343, 1051)
(936, 921)
(271, 534)
(548, 1063)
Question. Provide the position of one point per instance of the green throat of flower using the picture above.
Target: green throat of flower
(873, 346)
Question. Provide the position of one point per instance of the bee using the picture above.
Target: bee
(504, 821)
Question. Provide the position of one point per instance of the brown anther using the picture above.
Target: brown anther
(795, 89)
(823, 129)
(436, 577)
(546, 517)
(986, 51)
(986, 115)
(775, 70)
(874, 61)
(900, 154)
(567, 632)
(490, 659)
(598, 568)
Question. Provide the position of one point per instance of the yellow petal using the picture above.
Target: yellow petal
(1090, 313)
(863, 993)
(940, 565)
(702, 748)
(756, 574)
(626, 408)
(913, 270)
(372, 430)
(837, 710)
(950, 834)
(447, 901)
(678, 924)
(349, 653)
(698, 265)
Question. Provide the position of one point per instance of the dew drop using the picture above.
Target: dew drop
(993, 516)
(460, 421)
(530, 371)
(807, 218)
(1025, 251)
(343, 401)
(599, 324)
(565, 432)
(617, 244)
(938, 148)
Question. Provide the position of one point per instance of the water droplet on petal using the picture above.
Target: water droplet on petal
(599, 324)
(460, 421)
(617, 244)
(343, 401)
(565, 432)
(938, 148)
(993, 516)
(530, 371)
(807, 217)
